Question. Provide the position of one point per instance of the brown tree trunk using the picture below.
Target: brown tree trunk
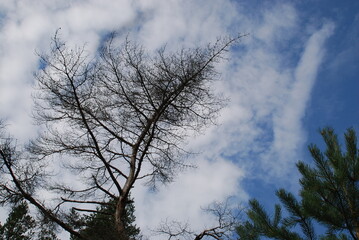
(120, 225)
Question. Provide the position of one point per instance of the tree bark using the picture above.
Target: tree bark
(120, 225)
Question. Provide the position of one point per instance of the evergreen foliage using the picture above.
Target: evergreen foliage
(101, 225)
(329, 196)
(20, 225)
(47, 230)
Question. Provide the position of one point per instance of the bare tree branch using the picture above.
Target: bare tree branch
(115, 119)
(227, 219)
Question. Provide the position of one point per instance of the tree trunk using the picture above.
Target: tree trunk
(120, 225)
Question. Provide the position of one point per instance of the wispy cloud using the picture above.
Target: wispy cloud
(183, 199)
(268, 79)
(289, 135)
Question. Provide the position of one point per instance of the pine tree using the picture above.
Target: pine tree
(101, 226)
(329, 196)
(19, 225)
(46, 229)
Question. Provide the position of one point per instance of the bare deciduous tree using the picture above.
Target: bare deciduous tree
(227, 219)
(113, 120)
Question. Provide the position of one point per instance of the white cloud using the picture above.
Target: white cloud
(183, 199)
(185, 22)
(278, 22)
(259, 131)
(288, 133)
(262, 126)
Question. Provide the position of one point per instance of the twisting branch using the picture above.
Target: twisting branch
(227, 219)
(120, 117)
(8, 159)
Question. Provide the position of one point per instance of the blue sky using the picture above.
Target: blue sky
(296, 71)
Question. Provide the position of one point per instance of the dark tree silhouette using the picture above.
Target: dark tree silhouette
(227, 218)
(329, 195)
(101, 225)
(112, 120)
(20, 225)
